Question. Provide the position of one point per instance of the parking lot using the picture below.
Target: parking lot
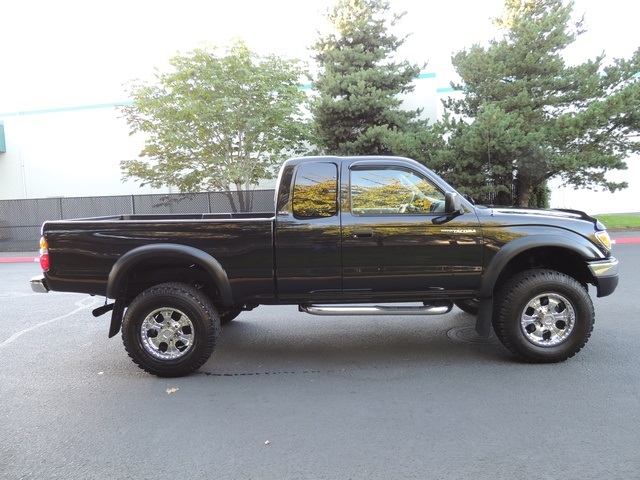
(287, 395)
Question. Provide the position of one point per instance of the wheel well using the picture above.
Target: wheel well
(562, 260)
(153, 271)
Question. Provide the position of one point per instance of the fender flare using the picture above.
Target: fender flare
(117, 282)
(568, 241)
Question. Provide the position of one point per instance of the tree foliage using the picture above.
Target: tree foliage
(525, 116)
(217, 121)
(358, 110)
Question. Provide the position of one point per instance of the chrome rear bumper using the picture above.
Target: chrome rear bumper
(39, 284)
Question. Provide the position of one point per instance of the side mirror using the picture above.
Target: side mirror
(452, 203)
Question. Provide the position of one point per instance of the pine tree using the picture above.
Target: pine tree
(357, 110)
(525, 116)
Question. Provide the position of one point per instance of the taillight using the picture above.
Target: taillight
(44, 254)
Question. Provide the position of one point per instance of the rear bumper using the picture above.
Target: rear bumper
(39, 284)
(605, 275)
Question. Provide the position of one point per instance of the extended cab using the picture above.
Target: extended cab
(352, 235)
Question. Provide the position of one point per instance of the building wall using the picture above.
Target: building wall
(598, 201)
(65, 152)
(76, 151)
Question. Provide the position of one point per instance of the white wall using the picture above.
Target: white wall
(598, 201)
(68, 152)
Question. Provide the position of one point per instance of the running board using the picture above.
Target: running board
(354, 310)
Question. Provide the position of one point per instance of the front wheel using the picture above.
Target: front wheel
(543, 316)
(170, 329)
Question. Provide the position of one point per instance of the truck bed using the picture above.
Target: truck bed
(177, 216)
(83, 251)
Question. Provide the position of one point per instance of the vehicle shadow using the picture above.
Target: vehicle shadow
(253, 345)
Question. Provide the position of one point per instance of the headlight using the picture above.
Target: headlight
(604, 239)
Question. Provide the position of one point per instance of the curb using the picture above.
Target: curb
(19, 259)
(620, 241)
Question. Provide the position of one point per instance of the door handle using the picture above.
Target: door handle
(362, 233)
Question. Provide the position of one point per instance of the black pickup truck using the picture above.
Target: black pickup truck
(350, 236)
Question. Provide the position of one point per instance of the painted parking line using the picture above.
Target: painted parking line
(82, 304)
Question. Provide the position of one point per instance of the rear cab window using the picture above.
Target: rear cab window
(315, 190)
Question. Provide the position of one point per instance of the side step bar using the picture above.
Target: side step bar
(353, 310)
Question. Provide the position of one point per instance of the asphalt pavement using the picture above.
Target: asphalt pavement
(291, 396)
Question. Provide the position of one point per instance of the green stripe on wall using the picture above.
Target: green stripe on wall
(65, 109)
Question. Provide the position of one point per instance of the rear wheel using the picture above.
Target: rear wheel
(543, 316)
(170, 329)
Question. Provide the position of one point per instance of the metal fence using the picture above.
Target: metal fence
(20, 220)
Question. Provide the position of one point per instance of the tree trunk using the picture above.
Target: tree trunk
(244, 198)
(525, 189)
(232, 202)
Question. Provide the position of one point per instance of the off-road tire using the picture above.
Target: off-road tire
(170, 330)
(543, 316)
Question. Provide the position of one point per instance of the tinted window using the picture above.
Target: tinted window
(388, 191)
(315, 190)
(285, 190)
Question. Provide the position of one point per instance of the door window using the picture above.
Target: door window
(389, 191)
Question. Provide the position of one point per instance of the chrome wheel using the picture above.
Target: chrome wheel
(170, 329)
(543, 316)
(548, 320)
(167, 334)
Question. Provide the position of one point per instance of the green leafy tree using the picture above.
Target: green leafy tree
(217, 122)
(357, 110)
(524, 116)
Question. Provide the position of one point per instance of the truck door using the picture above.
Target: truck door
(308, 245)
(396, 239)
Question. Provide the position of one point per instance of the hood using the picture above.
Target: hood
(556, 217)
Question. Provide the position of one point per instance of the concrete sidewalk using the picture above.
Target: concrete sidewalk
(618, 238)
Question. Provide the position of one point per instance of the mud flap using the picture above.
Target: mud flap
(483, 320)
(116, 318)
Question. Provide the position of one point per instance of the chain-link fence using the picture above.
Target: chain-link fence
(20, 220)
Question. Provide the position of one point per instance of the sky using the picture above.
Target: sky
(68, 53)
